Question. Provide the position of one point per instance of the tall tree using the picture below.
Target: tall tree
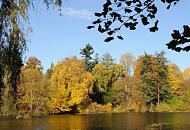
(153, 72)
(10, 61)
(32, 90)
(7, 104)
(14, 24)
(86, 53)
(127, 60)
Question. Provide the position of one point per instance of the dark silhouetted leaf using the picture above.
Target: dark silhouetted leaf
(163, 1)
(176, 34)
(130, 17)
(153, 9)
(153, 29)
(187, 48)
(186, 32)
(98, 14)
(156, 23)
(97, 21)
(144, 20)
(168, 7)
(110, 32)
(178, 49)
(108, 39)
(138, 10)
(128, 10)
(120, 37)
(128, 2)
(100, 29)
(119, 5)
(90, 27)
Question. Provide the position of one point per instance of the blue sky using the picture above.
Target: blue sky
(55, 37)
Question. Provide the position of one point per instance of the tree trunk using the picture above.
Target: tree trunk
(158, 96)
(31, 98)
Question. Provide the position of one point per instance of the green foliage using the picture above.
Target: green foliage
(86, 53)
(7, 106)
(176, 102)
(11, 61)
(154, 75)
(163, 107)
(127, 92)
(104, 78)
(107, 60)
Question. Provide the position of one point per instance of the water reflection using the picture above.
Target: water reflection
(119, 121)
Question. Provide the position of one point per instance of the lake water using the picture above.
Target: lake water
(114, 121)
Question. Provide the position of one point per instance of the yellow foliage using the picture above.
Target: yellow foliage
(70, 85)
(32, 91)
(98, 108)
(137, 68)
(163, 107)
(175, 77)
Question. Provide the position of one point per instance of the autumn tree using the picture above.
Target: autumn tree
(70, 86)
(128, 93)
(153, 72)
(32, 91)
(104, 77)
(127, 60)
(175, 78)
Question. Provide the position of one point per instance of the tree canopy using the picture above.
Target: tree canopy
(153, 72)
(71, 84)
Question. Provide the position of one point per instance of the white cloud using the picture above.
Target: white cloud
(80, 13)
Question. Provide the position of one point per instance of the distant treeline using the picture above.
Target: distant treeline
(94, 84)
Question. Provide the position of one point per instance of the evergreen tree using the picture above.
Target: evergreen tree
(154, 75)
(86, 53)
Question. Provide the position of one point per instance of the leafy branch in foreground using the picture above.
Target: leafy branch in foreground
(118, 14)
(179, 39)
